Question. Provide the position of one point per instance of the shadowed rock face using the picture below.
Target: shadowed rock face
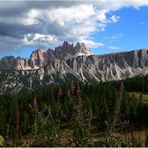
(69, 63)
(7, 63)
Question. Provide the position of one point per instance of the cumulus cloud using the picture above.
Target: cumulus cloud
(114, 18)
(113, 47)
(92, 44)
(40, 39)
(49, 23)
(51, 26)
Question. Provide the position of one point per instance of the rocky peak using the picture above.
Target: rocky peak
(66, 45)
(51, 54)
(68, 50)
(41, 57)
(21, 64)
(81, 49)
(39, 53)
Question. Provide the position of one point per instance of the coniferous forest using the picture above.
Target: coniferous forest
(75, 114)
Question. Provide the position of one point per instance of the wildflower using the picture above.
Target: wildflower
(78, 91)
(60, 93)
(73, 89)
(77, 118)
(118, 105)
(35, 104)
(69, 93)
(89, 114)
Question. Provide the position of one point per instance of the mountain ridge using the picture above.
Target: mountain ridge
(55, 68)
(53, 54)
(41, 57)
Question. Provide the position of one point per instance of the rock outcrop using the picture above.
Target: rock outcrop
(41, 57)
(67, 63)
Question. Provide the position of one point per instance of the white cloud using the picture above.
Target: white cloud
(72, 21)
(40, 40)
(113, 47)
(92, 44)
(110, 5)
(114, 18)
(75, 22)
(66, 15)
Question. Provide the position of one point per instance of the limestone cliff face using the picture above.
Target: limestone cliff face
(7, 63)
(38, 59)
(21, 64)
(41, 57)
(62, 51)
(78, 58)
(81, 49)
(69, 63)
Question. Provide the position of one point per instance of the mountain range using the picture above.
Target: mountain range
(68, 63)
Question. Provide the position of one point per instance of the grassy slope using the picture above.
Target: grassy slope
(137, 95)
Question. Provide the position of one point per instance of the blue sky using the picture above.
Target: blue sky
(129, 33)
(104, 27)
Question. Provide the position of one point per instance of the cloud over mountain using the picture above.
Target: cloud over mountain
(48, 23)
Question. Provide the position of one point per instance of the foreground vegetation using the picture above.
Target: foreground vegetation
(76, 114)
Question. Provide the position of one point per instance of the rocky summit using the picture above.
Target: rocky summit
(41, 57)
(67, 63)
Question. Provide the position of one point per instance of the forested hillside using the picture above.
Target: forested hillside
(76, 114)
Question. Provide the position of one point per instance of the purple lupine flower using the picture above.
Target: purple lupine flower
(121, 89)
(68, 93)
(77, 118)
(60, 93)
(89, 115)
(35, 104)
(73, 89)
(78, 91)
